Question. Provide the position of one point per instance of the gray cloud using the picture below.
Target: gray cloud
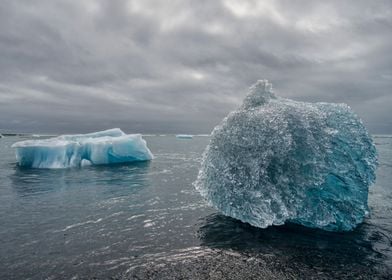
(180, 66)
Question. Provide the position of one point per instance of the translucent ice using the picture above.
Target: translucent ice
(184, 136)
(104, 147)
(275, 160)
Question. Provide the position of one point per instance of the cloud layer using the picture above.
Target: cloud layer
(180, 66)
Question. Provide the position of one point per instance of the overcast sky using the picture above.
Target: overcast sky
(181, 66)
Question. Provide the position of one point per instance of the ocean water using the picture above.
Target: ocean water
(146, 221)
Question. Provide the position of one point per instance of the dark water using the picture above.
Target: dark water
(145, 220)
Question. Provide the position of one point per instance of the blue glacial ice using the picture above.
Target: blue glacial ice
(104, 147)
(275, 160)
(184, 136)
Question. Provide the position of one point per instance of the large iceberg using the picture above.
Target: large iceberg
(275, 160)
(104, 147)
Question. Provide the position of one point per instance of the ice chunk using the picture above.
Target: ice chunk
(104, 147)
(184, 136)
(275, 160)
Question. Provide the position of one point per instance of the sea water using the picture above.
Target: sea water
(146, 220)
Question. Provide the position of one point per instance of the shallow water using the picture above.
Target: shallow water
(146, 220)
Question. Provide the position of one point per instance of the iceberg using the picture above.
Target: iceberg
(184, 136)
(275, 160)
(104, 147)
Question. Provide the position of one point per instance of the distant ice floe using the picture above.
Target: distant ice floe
(275, 160)
(184, 136)
(382, 136)
(104, 147)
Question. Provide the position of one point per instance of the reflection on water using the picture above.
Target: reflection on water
(99, 221)
(224, 232)
(297, 246)
(27, 181)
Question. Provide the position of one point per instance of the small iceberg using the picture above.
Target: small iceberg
(184, 136)
(275, 160)
(104, 147)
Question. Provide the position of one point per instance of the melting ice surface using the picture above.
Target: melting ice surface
(104, 147)
(184, 136)
(275, 160)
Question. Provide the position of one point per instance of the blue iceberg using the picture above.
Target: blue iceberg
(275, 160)
(184, 136)
(104, 147)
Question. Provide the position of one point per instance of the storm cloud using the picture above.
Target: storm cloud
(181, 66)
